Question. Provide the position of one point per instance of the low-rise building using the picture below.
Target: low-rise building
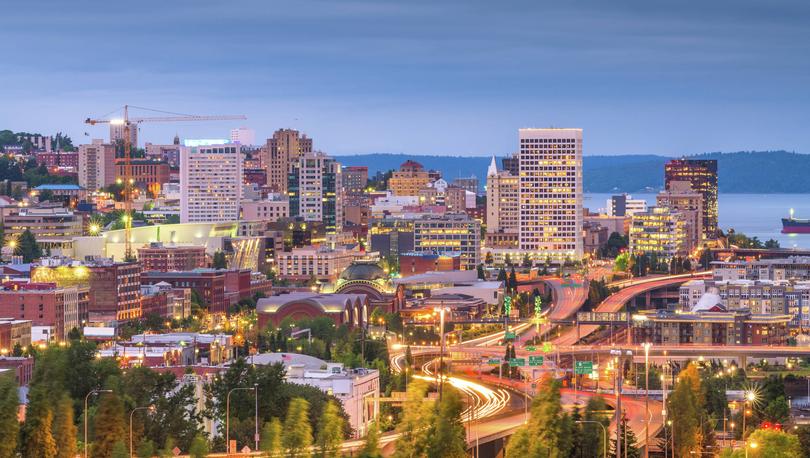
(168, 257)
(712, 327)
(451, 233)
(44, 304)
(53, 227)
(273, 208)
(208, 349)
(350, 309)
(14, 333)
(413, 263)
(320, 262)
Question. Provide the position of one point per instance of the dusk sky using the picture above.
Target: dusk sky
(421, 77)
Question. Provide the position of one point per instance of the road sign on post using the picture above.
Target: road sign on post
(517, 362)
(583, 367)
(507, 305)
(531, 348)
(509, 335)
(494, 361)
(536, 360)
(538, 305)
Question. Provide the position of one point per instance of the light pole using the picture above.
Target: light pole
(604, 434)
(752, 445)
(441, 311)
(228, 415)
(150, 408)
(256, 416)
(750, 396)
(85, 415)
(647, 346)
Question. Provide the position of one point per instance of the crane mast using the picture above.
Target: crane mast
(128, 181)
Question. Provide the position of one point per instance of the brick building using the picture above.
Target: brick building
(166, 258)
(44, 304)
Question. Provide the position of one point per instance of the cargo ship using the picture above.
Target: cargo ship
(791, 225)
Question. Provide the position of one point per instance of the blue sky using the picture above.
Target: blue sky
(421, 77)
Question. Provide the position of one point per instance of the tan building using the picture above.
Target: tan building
(659, 231)
(273, 208)
(455, 199)
(282, 150)
(503, 216)
(53, 227)
(96, 165)
(681, 198)
(320, 262)
(409, 179)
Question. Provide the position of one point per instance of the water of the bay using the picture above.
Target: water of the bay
(757, 215)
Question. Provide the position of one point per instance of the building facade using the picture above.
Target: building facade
(355, 180)
(279, 153)
(165, 258)
(211, 183)
(503, 208)
(449, 234)
(702, 175)
(43, 304)
(409, 179)
(96, 165)
(273, 208)
(147, 174)
(660, 232)
(315, 190)
(550, 193)
(680, 198)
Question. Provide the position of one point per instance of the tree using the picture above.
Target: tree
(628, 442)
(371, 446)
(513, 284)
(297, 435)
(146, 449)
(447, 436)
(109, 425)
(119, 450)
(64, 429)
(9, 425)
(40, 441)
(527, 261)
(481, 274)
(547, 433)
(592, 435)
(330, 431)
(220, 261)
(199, 447)
(685, 406)
(27, 247)
(488, 259)
(770, 444)
(417, 411)
(270, 441)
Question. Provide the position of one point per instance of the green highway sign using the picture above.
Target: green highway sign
(515, 362)
(531, 348)
(536, 360)
(509, 335)
(494, 362)
(583, 367)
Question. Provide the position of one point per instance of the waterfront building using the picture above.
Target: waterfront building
(659, 231)
(702, 176)
(550, 193)
(625, 205)
(681, 198)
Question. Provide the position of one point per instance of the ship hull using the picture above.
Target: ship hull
(793, 226)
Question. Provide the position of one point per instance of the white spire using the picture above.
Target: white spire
(493, 168)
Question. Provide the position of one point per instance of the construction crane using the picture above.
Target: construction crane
(127, 179)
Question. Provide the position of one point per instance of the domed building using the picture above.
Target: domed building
(367, 277)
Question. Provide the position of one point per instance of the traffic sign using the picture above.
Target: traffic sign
(515, 362)
(494, 362)
(509, 335)
(583, 367)
(536, 360)
(531, 348)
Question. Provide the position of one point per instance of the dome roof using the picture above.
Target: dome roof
(363, 271)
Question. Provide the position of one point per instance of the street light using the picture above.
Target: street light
(752, 445)
(647, 346)
(150, 408)
(441, 311)
(85, 415)
(604, 434)
(254, 388)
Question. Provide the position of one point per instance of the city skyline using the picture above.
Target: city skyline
(638, 78)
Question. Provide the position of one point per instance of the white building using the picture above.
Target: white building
(273, 208)
(243, 136)
(356, 389)
(315, 189)
(551, 193)
(624, 205)
(211, 183)
(502, 200)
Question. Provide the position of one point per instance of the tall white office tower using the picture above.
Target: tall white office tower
(210, 183)
(551, 193)
(243, 136)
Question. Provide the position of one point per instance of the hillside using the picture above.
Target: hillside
(759, 172)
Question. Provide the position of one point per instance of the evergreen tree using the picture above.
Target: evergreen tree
(119, 450)
(220, 261)
(168, 446)
(109, 425)
(297, 435)
(684, 405)
(9, 425)
(40, 441)
(371, 446)
(417, 412)
(270, 442)
(27, 247)
(447, 436)
(513, 284)
(481, 274)
(198, 448)
(330, 431)
(488, 259)
(527, 261)
(628, 442)
(64, 430)
(146, 449)
(502, 276)
(545, 434)
(593, 436)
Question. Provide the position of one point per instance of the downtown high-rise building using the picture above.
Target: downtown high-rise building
(503, 209)
(96, 165)
(315, 190)
(701, 174)
(550, 193)
(280, 153)
(117, 134)
(210, 183)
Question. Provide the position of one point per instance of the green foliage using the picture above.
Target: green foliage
(592, 435)
(628, 447)
(9, 426)
(297, 434)
(330, 431)
(64, 429)
(27, 247)
(622, 263)
(548, 432)
(371, 446)
(220, 260)
(40, 442)
(119, 450)
(270, 442)
(198, 447)
(146, 449)
(685, 405)
(481, 273)
(109, 425)
(770, 444)
(417, 412)
(614, 246)
(447, 436)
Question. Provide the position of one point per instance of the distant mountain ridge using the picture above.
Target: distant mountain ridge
(758, 172)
